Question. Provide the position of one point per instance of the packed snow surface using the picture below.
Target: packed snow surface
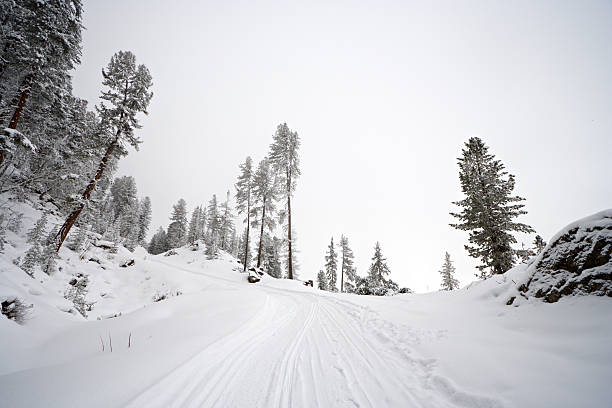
(217, 341)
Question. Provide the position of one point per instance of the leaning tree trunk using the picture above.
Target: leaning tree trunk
(19, 102)
(63, 232)
(290, 260)
(263, 219)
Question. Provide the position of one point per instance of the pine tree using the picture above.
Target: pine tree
(378, 269)
(271, 260)
(40, 45)
(265, 190)
(35, 234)
(448, 274)
(158, 242)
(128, 94)
(538, 244)
(194, 225)
(331, 265)
(244, 252)
(346, 268)
(322, 281)
(488, 209)
(226, 224)
(49, 256)
(177, 230)
(213, 227)
(144, 220)
(244, 188)
(524, 254)
(285, 160)
(78, 242)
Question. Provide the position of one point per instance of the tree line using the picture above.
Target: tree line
(263, 199)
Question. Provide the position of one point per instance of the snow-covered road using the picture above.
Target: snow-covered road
(308, 350)
(218, 341)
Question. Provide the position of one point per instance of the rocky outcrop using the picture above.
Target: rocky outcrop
(578, 261)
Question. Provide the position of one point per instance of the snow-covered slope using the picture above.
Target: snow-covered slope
(223, 342)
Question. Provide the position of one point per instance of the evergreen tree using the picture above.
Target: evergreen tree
(127, 94)
(322, 280)
(488, 209)
(177, 230)
(538, 244)
(244, 188)
(78, 242)
(226, 224)
(524, 254)
(213, 228)
(265, 190)
(144, 220)
(158, 242)
(448, 274)
(35, 234)
(194, 225)
(49, 256)
(271, 260)
(285, 160)
(331, 265)
(378, 269)
(347, 269)
(244, 252)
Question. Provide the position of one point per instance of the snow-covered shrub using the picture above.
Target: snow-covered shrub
(377, 287)
(159, 296)
(14, 309)
(76, 293)
(171, 252)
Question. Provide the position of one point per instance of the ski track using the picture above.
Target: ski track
(308, 350)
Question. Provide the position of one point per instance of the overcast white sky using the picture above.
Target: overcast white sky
(383, 95)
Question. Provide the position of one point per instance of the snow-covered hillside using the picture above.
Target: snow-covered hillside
(212, 339)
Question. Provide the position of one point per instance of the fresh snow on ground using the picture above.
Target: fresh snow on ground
(217, 340)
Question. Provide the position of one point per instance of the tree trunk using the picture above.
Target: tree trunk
(263, 220)
(63, 232)
(246, 245)
(342, 274)
(19, 102)
(24, 89)
(289, 236)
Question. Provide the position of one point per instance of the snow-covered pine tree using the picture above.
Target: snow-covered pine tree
(271, 259)
(489, 209)
(144, 220)
(124, 196)
(226, 224)
(194, 225)
(448, 274)
(378, 269)
(49, 256)
(322, 281)
(212, 228)
(331, 266)
(286, 162)
(538, 244)
(40, 44)
(346, 266)
(78, 242)
(265, 192)
(244, 250)
(177, 230)
(127, 93)
(159, 242)
(37, 232)
(244, 188)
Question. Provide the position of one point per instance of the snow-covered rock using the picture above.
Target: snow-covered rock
(577, 261)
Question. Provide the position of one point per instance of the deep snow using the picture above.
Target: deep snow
(224, 342)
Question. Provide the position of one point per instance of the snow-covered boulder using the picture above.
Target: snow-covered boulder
(577, 261)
